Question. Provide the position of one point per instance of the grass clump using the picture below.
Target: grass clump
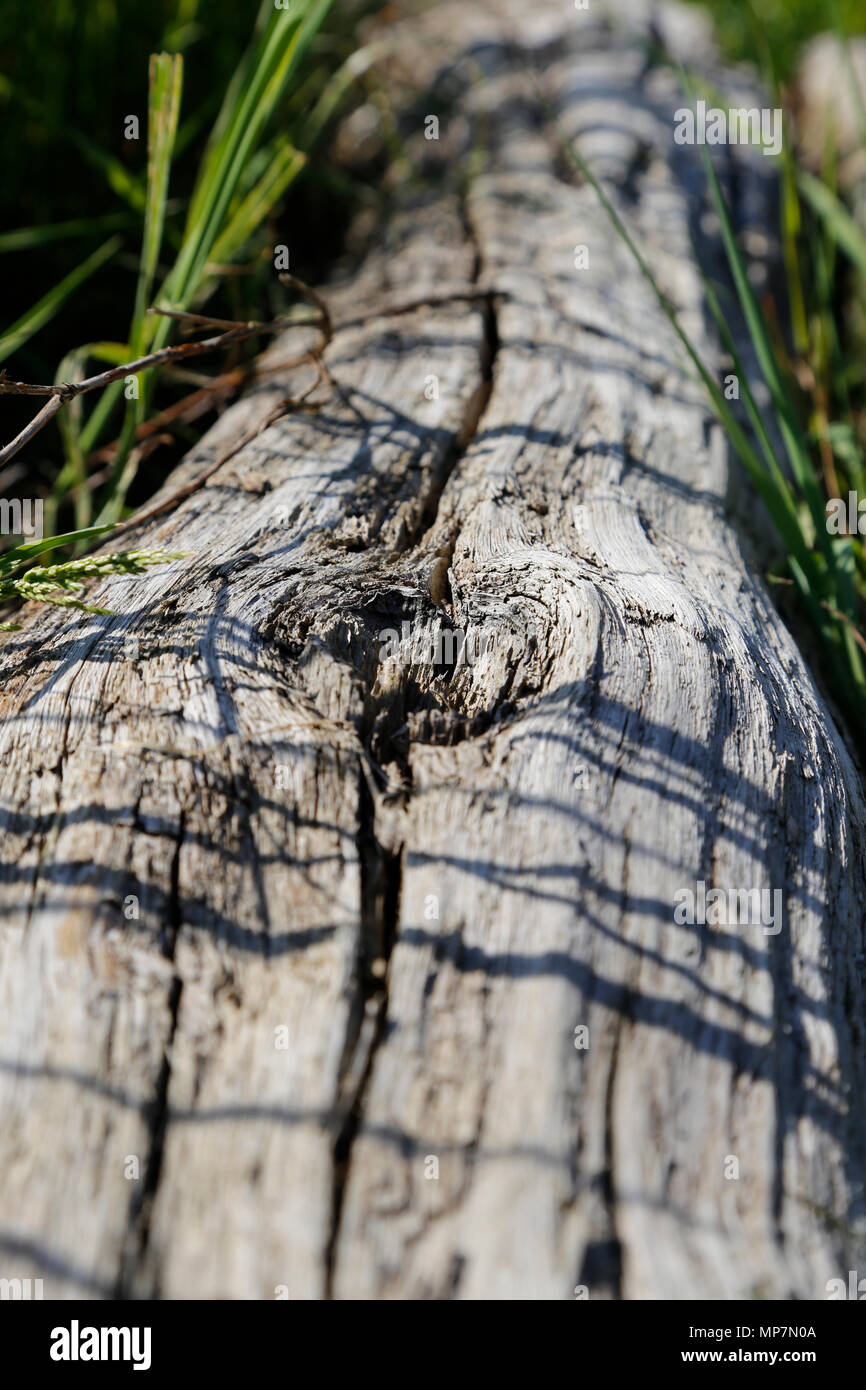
(231, 119)
(62, 584)
(816, 400)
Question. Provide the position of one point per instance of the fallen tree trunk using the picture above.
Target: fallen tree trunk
(339, 960)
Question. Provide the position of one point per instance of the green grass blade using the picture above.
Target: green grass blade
(20, 554)
(792, 226)
(786, 497)
(789, 426)
(765, 485)
(336, 90)
(29, 238)
(282, 47)
(45, 309)
(825, 581)
(165, 81)
(98, 418)
(282, 171)
(836, 218)
(224, 208)
(126, 186)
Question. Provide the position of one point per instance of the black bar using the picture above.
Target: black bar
(226, 1338)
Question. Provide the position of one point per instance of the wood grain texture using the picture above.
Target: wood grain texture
(422, 874)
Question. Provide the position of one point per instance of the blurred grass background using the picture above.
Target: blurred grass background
(92, 231)
(70, 72)
(747, 27)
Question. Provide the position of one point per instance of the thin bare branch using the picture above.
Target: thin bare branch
(61, 392)
(293, 283)
(230, 332)
(199, 320)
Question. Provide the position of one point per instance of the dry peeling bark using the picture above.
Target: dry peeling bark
(428, 872)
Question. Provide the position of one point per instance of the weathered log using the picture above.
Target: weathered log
(303, 917)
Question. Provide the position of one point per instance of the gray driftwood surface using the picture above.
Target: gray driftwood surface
(293, 806)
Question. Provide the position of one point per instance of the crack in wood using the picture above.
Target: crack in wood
(141, 1206)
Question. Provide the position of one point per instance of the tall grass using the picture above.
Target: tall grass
(813, 406)
(780, 27)
(202, 203)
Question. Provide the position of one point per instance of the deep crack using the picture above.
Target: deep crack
(381, 883)
(141, 1206)
(479, 400)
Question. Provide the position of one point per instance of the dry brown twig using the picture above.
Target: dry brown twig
(60, 393)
